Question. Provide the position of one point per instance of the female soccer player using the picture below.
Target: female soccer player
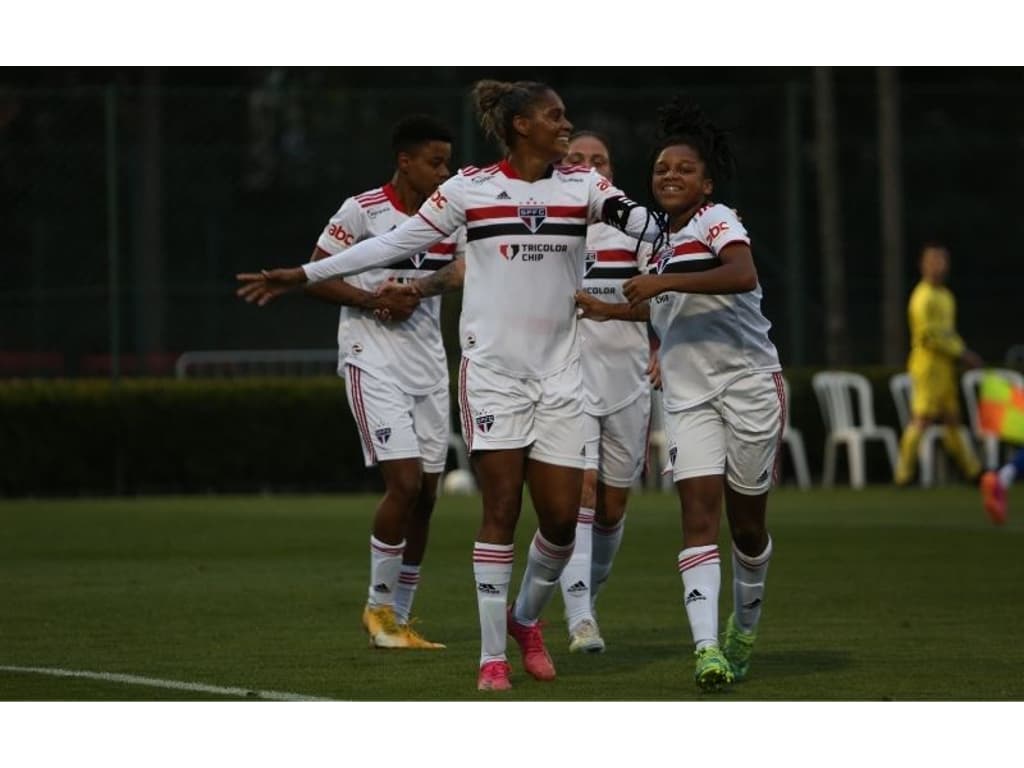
(722, 383)
(519, 382)
(396, 375)
(617, 406)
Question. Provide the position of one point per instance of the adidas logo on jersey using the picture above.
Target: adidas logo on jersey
(694, 596)
(503, 195)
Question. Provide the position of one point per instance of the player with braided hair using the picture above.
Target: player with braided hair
(526, 222)
(723, 394)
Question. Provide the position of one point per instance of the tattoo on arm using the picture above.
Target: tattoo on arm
(446, 279)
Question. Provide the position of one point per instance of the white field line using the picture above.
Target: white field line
(153, 682)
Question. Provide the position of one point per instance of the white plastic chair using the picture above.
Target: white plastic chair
(835, 391)
(794, 439)
(931, 457)
(970, 382)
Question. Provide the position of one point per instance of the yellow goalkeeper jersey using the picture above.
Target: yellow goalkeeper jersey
(935, 347)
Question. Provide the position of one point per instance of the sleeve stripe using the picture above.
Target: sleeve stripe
(432, 224)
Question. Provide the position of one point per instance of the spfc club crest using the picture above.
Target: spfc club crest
(663, 258)
(589, 260)
(533, 216)
(418, 259)
(485, 421)
(672, 455)
(383, 435)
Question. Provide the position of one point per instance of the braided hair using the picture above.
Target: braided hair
(683, 122)
(499, 103)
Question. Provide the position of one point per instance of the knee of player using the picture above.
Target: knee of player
(405, 488)
(749, 536)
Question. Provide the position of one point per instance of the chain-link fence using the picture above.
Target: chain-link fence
(127, 209)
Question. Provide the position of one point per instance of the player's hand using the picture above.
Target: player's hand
(591, 308)
(395, 301)
(266, 285)
(971, 359)
(654, 370)
(642, 288)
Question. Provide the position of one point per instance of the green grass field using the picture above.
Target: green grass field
(872, 595)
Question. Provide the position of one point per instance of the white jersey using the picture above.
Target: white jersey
(525, 251)
(410, 353)
(615, 353)
(707, 341)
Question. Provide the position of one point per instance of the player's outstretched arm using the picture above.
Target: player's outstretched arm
(412, 236)
(446, 279)
(262, 287)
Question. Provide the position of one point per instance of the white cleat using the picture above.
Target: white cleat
(585, 637)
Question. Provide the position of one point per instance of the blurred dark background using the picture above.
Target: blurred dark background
(129, 198)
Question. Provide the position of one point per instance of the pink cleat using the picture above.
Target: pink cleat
(494, 677)
(536, 660)
(994, 497)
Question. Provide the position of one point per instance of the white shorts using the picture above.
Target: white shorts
(737, 433)
(501, 412)
(616, 443)
(396, 425)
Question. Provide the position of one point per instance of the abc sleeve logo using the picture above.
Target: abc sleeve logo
(715, 230)
(438, 201)
(340, 234)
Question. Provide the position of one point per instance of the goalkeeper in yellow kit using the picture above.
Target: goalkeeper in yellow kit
(935, 351)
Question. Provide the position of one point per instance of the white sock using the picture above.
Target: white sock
(385, 560)
(606, 544)
(544, 565)
(748, 574)
(492, 569)
(408, 580)
(1007, 475)
(575, 579)
(701, 570)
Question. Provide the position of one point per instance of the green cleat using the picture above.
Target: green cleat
(738, 647)
(713, 669)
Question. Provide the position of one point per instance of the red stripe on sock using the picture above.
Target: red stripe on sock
(548, 549)
(387, 549)
(693, 561)
(605, 530)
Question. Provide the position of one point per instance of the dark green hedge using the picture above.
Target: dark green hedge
(83, 436)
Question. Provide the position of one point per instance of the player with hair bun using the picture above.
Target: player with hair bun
(526, 222)
(722, 383)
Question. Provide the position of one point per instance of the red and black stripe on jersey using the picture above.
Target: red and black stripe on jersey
(611, 264)
(493, 221)
(691, 256)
